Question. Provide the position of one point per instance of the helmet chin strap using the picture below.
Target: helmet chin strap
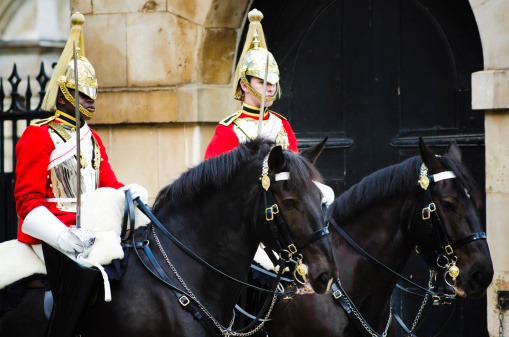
(256, 93)
(71, 99)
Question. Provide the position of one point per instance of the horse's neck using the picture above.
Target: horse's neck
(218, 233)
(382, 231)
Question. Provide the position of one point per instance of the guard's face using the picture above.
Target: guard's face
(257, 84)
(87, 102)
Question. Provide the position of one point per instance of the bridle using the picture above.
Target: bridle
(271, 227)
(443, 249)
(278, 237)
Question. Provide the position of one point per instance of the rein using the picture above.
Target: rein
(443, 249)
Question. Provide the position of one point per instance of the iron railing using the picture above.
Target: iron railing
(12, 123)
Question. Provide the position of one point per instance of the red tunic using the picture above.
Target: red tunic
(33, 153)
(225, 139)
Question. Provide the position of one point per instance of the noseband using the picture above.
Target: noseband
(443, 248)
(272, 229)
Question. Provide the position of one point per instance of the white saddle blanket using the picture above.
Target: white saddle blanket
(18, 260)
(102, 212)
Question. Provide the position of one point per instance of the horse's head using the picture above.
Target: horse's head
(299, 226)
(447, 228)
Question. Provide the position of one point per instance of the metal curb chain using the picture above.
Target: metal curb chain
(224, 331)
(418, 316)
(365, 325)
(432, 279)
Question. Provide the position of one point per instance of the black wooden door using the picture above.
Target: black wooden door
(374, 76)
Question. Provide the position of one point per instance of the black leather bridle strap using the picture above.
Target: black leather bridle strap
(468, 239)
(312, 237)
(402, 324)
(371, 258)
(440, 234)
(182, 298)
(279, 221)
(340, 295)
(283, 230)
(442, 243)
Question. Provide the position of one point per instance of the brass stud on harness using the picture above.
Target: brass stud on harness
(302, 269)
(424, 180)
(454, 271)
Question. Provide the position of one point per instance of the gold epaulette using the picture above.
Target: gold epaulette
(228, 120)
(63, 133)
(275, 113)
(39, 122)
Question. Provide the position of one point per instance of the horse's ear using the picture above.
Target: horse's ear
(312, 152)
(277, 159)
(428, 157)
(453, 151)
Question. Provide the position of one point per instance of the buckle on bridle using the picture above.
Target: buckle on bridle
(184, 301)
(448, 249)
(337, 294)
(292, 249)
(270, 211)
(426, 211)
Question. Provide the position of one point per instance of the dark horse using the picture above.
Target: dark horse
(383, 214)
(210, 210)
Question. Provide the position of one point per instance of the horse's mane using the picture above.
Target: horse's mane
(216, 172)
(398, 178)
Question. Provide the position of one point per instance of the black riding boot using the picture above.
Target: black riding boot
(74, 287)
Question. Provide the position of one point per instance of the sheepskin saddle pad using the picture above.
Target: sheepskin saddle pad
(102, 212)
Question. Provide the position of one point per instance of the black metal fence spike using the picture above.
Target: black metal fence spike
(28, 95)
(42, 79)
(14, 80)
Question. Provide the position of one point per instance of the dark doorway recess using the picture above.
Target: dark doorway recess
(374, 76)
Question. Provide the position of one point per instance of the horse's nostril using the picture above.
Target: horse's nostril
(483, 278)
(325, 277)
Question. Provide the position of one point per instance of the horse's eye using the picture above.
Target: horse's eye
(289, 203)
(448, 206)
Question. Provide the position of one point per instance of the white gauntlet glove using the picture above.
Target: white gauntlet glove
(327, 193)
(137, 191)
(43, 225)
(70, 242)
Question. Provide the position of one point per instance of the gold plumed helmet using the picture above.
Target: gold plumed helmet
(63, 75)
(253, 60)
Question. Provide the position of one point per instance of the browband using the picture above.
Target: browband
(441, 176)
(282, 176)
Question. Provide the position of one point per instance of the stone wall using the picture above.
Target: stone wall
(165, 70)
(490, 92)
